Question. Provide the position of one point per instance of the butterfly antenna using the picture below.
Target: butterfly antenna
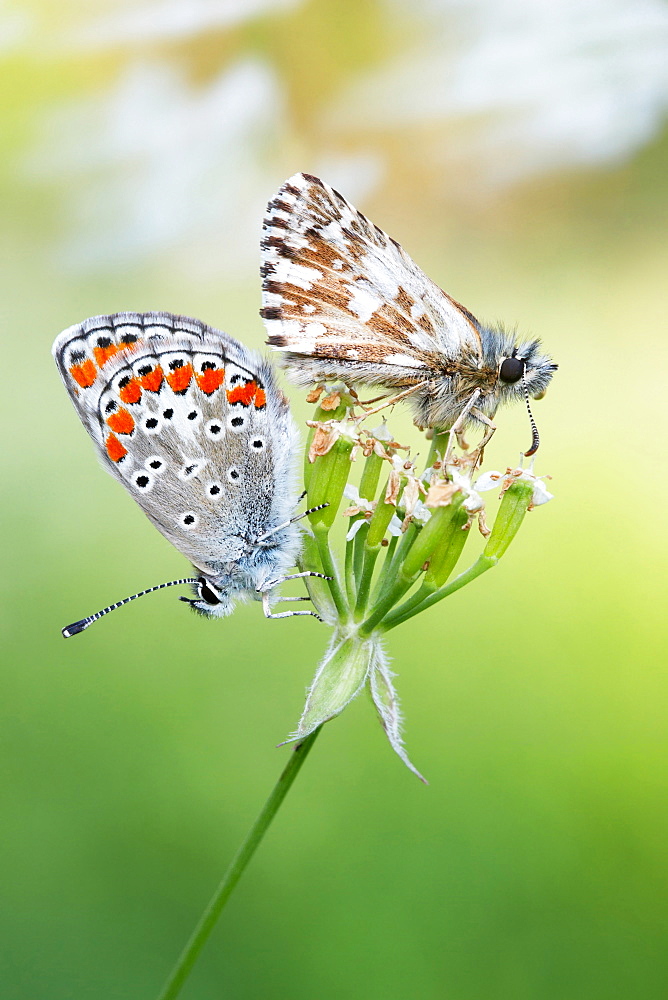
(535, 438)
(285, 524)
(79, 626)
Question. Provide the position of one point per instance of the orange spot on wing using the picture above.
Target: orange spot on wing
(121, 422)
(85, 374)
(242, 393)
(210, 379)
(260, 399)
(179, 379)
(115, 449)
(153, 380)
(102, 354)
(131, 393)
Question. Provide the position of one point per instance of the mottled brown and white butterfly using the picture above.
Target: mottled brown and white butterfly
(343, 301)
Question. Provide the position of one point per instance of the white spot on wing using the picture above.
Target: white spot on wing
(363, 304)
(405, 360)
(296, 274)
(315, 330)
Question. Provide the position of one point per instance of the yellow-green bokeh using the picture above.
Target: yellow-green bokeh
(135, 756)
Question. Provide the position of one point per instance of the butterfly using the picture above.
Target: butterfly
(196, 429)
(342, 300)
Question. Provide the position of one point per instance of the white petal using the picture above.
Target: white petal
(487, 481)
(382, 433)
(394, 527)
(540, 494)
(351, 492)
(421, 513)
(473, 502)
(355, 527)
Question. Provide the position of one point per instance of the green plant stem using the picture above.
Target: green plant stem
(395, 555)
(439, 445)
(331, 569)
(369, 561)
(409, 608)
(349, 574)
(236, 869)
(386, 602)
(358, 558)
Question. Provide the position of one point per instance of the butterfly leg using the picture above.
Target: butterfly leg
(370, 402)
(491, 427)
(459, 425)
(284, 614)
(461, 438)
(274, 583)
(394, 399)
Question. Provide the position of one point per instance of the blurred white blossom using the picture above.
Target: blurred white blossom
(156, 162)
(481, 94)
(165, 20)
(15, 26)
(512, 88)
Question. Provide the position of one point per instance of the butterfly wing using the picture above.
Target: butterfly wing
(344, 300)
(190, 422)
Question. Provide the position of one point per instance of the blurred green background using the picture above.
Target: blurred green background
(517, 150)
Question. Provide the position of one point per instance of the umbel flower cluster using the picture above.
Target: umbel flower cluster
(406, 533)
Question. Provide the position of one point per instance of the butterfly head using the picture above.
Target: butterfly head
(210, 600)
(521, 368)
(519, 371)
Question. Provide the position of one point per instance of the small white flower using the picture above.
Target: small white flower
(382, 433)
(405, 466)
(473, 502)
(540, 493)
(351, 492)
(489, 480)
(349, 431)
(421, 513)
(360, 506)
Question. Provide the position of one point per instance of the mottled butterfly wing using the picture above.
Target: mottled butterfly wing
(343, 299)
(189, 421)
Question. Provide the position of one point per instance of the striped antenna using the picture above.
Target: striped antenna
(535, 439)
(79, 626)
(285, 524)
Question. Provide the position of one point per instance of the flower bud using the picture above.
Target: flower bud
(514, 505)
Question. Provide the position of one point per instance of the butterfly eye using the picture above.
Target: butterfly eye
(512, 370)
(207, 594)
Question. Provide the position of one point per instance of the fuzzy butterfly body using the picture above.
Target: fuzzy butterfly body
(343, 301)
(193, 425)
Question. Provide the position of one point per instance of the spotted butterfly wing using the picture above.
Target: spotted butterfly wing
(191, 423)
(342, 299)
